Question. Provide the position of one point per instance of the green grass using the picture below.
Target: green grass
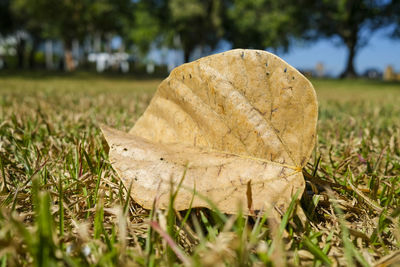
(61, 204)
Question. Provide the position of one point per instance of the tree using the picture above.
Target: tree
(29, 18)
(75, 19)
(9, 24)
(71, 20)
(62, 19)
(352, 21)
(147, 26)
(195, 23)
(109, 16)
(393, 9)
(6, 18)
(262, 24)
(198, 23)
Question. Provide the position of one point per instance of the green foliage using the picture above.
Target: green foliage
(197, 23)
(264, 24)
(30, 16)
(71, 19)
(147, 26)
(6, 18)
(181, 24)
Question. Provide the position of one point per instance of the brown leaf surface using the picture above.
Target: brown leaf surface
(244, 121)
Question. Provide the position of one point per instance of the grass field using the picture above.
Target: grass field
(61, 204)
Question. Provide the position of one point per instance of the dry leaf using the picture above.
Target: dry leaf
(241, 123)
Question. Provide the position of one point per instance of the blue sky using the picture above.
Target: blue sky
(379, 52)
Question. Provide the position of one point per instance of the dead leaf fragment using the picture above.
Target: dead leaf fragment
(221, 177)
(239, 119)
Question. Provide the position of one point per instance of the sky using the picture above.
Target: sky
(379, 53)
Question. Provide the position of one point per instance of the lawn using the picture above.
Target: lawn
(61, 204)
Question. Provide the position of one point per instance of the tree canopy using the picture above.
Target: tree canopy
(198, 23)
(6, 18)
(394, 19)
(265, 24)
(182, 24)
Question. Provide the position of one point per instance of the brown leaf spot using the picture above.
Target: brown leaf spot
(249, 195)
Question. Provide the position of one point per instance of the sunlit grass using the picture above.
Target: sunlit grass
(62, 204)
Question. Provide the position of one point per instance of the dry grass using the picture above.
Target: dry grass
(62, 204)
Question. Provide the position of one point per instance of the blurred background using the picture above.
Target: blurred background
(322, 38)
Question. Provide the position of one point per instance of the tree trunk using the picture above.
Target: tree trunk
(350, 72)
(32, 62)
(49, 54)
(97, 43)
(186, 55)
(69, 64)
(87, 49)
(76, 51)
(21, 44)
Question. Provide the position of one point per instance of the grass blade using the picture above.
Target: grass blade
(316, 251)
